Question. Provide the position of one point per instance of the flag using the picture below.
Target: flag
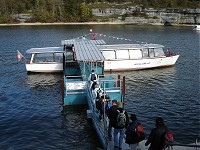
(94, 37)
(19, 55)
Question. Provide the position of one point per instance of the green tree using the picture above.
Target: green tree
(85, 12)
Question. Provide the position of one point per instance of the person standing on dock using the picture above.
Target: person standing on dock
(92, 77)
(134, 133)
(157, 135)
(110, 114)
(120, 125)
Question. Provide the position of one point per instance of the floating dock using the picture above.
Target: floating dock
(82, 56)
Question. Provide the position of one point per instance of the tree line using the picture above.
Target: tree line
(73, 10)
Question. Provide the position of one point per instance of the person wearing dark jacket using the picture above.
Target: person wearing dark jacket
(118, 128)
(110, 113)
(157, 135)
(131, 134)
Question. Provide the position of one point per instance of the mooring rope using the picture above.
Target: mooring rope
(114, 37)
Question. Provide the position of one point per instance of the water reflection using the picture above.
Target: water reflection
(152, 73)
(80, 130)
(37, 79)
(149, 78)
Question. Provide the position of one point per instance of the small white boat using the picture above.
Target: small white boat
(196, 27)
(122, 57)
(45, 60)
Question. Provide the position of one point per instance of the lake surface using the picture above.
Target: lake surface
(31, 107)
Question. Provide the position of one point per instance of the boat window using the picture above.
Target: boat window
(122, 54)
(159, 52)
(69, 56)
(109, 54)
(43, 57)
(135, 54)
(151, 52)
(58, 57)
(145, 53)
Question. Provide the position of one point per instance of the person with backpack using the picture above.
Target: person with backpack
(134, 133)
(110, 113)
(157, 135)
(121, 121)
(92, 80)
(92, 77)
(103, 103)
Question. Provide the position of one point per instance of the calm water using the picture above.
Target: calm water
(30, 105)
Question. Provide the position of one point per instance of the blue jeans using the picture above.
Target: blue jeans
(118, 140)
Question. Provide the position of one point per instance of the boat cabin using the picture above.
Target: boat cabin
(131, 51)
(45, 60)
(46, 54)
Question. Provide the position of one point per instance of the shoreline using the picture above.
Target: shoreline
(88, 23)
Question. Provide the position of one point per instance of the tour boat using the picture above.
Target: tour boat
(121, 57)
(45, 60)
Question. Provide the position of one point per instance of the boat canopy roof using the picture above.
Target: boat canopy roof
(46, 50)
(86, 50)
(129, 46)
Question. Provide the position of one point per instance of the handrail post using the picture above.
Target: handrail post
(118, 81)
(62, 87)
(123, 87)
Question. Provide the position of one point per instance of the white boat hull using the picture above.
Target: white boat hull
(137, 64)
(44, 67)
(196, 27)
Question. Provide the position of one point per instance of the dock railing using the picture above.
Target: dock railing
(113, 83)
(100, 122)
(110, 86)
